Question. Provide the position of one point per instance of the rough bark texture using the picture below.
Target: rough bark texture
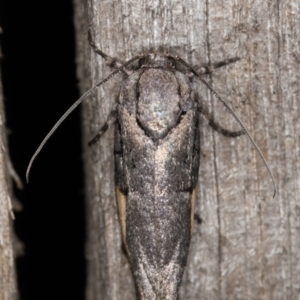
(8, 284)
(248, 244)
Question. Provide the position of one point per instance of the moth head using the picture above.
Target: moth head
(156, 60)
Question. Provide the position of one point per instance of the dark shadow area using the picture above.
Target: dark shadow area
(39, 79)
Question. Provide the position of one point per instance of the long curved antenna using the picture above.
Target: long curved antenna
(232, 113)
(66, 114)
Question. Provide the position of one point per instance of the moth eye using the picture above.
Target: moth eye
(171, 63)
(142, 62)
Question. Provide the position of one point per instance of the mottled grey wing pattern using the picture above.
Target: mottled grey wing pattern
(157, 160)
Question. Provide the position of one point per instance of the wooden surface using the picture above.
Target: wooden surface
(248, 244)
(8, 284)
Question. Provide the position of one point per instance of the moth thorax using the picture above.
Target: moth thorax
(156, 60)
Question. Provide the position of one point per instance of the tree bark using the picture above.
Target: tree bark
(8, 284)
(248, 244)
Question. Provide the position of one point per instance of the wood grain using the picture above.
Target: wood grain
(248, 244)
(8, 282)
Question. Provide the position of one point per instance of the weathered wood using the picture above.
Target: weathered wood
(8, 284)
(248, 244)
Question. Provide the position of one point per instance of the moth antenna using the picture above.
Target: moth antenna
(233, 114)
(66, 114)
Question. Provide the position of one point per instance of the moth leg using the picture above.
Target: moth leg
(110, 61)
(209, 68)
(217, 127)
(110, 120)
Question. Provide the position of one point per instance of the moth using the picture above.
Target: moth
(156, 164)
